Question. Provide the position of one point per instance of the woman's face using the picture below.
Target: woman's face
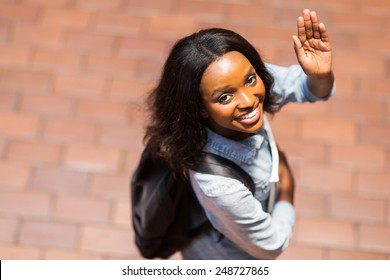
(233, 96)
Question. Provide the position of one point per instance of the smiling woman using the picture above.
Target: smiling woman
(212, 98)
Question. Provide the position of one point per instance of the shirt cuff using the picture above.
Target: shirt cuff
(284, 210)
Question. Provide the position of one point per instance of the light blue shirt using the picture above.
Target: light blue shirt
(249, 231)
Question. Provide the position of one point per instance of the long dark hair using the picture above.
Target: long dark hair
(177, 131)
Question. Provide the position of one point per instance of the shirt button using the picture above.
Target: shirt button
(250, 161)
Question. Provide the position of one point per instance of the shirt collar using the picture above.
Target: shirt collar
(243, 151)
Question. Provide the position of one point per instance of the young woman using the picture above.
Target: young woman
(212, 96)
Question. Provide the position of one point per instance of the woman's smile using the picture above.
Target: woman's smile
(249, 118)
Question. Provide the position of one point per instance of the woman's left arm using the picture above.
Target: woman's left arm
(314, 53)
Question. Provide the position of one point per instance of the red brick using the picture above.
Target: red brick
(129, 90)
(8, 229)
(346, 86)
(354, 21)
(376, 134)
(377, 87)
(297, 252)
(62, 254)
(2, 147)
(122, 213)
(306, 109)
(103, 111)
(247, 13)
(92, 48)
(59, 181)
(107, 240)
(28, 35)
(79, 84)
(19, 125)
(361, 110)
(136, 46)
(388, 111)
(284, 126)
(48, 234)
(273, 34)
(374, 238)
(120, 135)
(51, 3)
(28, 204)
(150, 67)
(343, 40)
(388, 213)
(355, 255)
(302, 151)
(13, 55)
(132, 159)
(98, 5)
(56, 60)
(310, 204)
(92, 158)
(358, 209)
(374, 184)
(69, 130)
(11, 12)
(26, 80)
(43, 104)
(268, 51)
(368, 65)
(89, 42)
(119, 23)
(4, 32)
(326, 179)
(14, 176)
(82, 209)
(114, 66)
(327, 129)
(283, 57)
(375, 42)
(150, 6)
(322, 6)
(67, 18)
(379, 6)
(325, 232)
(171, 26)
(212, 11)
(112, 187)
(19, 252)
(34, 153)
(364, 157)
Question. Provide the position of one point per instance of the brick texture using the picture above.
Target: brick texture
(74, 78)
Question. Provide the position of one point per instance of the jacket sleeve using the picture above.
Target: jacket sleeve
(290, 85)
(238, 215)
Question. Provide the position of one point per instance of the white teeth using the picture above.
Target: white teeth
(250, 115)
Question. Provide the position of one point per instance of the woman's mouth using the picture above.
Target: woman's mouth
(250, 118)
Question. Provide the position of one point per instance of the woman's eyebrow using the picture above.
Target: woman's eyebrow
(227, 87)
(221, 90)
(249, 73)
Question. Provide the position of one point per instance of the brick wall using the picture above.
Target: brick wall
(73, 74)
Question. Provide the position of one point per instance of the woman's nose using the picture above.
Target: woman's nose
(245, 99)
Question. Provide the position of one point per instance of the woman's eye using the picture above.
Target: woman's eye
(224, 98)
(251, 80)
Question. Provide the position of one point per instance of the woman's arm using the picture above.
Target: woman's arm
(286, 184)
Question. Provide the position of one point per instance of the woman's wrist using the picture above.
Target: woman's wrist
(321, 84)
